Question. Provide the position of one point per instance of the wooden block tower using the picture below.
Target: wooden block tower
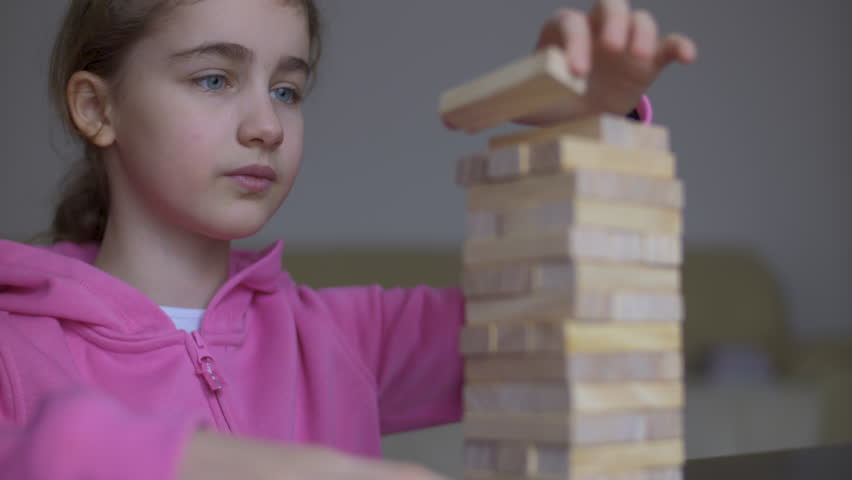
(572, 343)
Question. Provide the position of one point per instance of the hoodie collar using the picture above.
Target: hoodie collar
(60, 281)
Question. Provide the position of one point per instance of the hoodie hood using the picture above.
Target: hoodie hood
(61, 282)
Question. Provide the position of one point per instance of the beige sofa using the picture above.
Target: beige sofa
(732, 298)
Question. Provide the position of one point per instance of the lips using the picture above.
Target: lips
(253, 178)
(259, 171)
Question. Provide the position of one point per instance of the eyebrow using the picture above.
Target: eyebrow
(240, 54)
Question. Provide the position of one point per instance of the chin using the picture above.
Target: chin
(239, 232)
(234, 230)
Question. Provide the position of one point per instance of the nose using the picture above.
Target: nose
(261, 126)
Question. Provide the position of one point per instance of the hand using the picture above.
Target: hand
(618, 52)
(214, 456)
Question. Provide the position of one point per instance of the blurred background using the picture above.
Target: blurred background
(760, 126)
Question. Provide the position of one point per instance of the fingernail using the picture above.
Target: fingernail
(581, 66)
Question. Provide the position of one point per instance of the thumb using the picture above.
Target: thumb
(349, 467)
(675, 48)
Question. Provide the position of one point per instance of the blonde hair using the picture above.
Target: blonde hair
(96, 36)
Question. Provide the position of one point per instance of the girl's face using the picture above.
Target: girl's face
(215, 87)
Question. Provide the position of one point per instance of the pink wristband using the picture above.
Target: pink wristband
(646, 112)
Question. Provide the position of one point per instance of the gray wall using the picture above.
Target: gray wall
(760, 126)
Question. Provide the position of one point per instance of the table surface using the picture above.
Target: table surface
(819, 463)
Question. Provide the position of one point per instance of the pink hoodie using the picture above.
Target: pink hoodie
(96, 382)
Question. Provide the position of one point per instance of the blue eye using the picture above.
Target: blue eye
(212, 82)
(287, 95)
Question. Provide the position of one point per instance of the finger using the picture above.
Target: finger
(675, 48)
(568, 29)
(643, 35)
(610, 21)
(577, 44)
(386, 470)
(350, 467)
(410, 471)
(552, 32)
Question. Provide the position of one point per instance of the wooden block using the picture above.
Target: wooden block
(647, 307)
(623, 458)
(476, 340)
(471, 170)
(566, 276)
(662, 473)
(574, 429)
(523, 87)
(569, 275)
(552, 462)
(517, 368)
(622, 338)
(606, 128)
(520, 337)
(582, 305)
(628, 188)
(625, 367)
(501, 280)
(538, 403)
(662, 249)
(493, 399)
(665, 424)
(506, 427)
(659, 473)
(508, 164)
(480, 475)
(578, 305)
(604, 369)
(517, 338)
(568, 338)
(622, 461)
(483, 457)
(545, 337)
(568, 153)
(577, 243)
(580, 183)
(671, 366)
(626, 427)
(624, 247)
(514, 458)
(480, 455)
(619, 216)
(630, 395)
(479, 225)
(515, 162)
(566, 243)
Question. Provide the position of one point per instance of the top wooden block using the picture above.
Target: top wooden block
(606, 128)
(520, 88)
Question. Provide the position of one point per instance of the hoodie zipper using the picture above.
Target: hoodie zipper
(205, 366)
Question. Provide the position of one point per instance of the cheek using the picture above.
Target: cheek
(292, 148)
(192, 127)
(196, 145)
(174, 161)
(189, 153)
(167, 132)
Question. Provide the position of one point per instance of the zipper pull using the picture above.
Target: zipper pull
(206, 366)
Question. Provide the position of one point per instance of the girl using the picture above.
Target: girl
(189, 113)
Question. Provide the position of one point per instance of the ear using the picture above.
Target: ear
(90, 108)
